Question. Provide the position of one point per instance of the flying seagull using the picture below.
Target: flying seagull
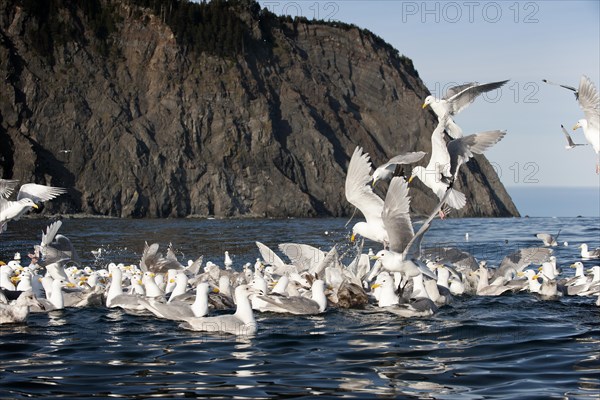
(590, 104)
(386, 171)
(28, 195)
(457, 98)
(360, 194)
(446, 159)
(570, 143)
(563, 86)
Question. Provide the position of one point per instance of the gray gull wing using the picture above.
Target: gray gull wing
(454, 90)
(570, 142)
(269, 256)
(39, 193)
(563, 86)
(462, 149)
(520, 259)
(304, 256)
(462, 99)
(589, 102)
(413, 249)
(396, 217)
(7, 186)
(357, 188)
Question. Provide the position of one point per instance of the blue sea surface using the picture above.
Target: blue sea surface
(535, 201)
(511, 346)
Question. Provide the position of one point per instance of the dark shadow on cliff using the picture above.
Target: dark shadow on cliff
(47, 164)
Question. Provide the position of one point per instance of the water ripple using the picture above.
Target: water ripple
(514, 346)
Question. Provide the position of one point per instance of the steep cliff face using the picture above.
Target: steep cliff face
(137, 123)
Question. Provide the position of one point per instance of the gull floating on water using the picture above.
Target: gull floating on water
(549, 289)
(297, 305)
(227, 260)
(54, 298)
(240, 323)
(116, 298)
(18, 312)
(548, 239)
(386, 295)
(588, 254)
(484, 288)
(180, 310)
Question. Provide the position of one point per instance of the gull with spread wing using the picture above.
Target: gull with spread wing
(360, 194)
(457, 98)
(28, 195)
(386, 171)
(442, 170)
(574, 90)
(570, 143)
(404, 245)
(436, 175)
(56, 248)
(463, 149)
(589, 101)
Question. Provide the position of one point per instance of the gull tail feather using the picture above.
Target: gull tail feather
(453, 130)
(456, 199)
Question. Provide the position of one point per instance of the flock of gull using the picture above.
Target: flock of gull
(403, 277)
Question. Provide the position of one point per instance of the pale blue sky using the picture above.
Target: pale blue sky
(487, 41)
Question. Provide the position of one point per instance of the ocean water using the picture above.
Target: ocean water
(512, 346)
(535, 201)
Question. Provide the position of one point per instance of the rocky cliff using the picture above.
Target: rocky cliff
(142, 109)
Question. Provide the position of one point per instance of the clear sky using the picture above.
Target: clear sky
(484, 41)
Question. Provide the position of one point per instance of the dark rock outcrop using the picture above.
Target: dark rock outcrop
(119, 107)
